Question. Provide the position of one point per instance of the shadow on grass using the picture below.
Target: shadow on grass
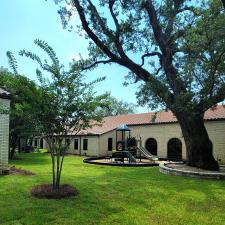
(31, 159)
(111, 195)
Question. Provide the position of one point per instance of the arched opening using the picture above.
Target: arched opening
(41, 143)
(174, 149)
(151, 146)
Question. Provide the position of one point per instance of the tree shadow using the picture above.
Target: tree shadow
(117, 193)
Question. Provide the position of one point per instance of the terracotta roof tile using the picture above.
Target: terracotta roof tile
(112, 122)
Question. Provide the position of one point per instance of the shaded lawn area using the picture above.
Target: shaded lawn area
(110, 195)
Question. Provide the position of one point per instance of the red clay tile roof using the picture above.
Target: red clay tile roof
(112, 122)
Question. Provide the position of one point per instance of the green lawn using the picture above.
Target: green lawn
(110, 195)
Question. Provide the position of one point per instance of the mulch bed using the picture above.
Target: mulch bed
(47, 191)
(16, 171)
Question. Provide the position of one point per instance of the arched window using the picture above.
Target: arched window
(151, 146)
(174, 149)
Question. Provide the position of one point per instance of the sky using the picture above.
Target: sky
(23, 21)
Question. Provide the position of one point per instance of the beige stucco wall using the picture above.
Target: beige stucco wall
(93, 146)
(164, 132)
(71, 147)
(98, 145)
(216, 131)
(103, 143)
(4, 135)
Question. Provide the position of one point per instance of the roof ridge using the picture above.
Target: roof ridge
(132, 114)
(111, 122)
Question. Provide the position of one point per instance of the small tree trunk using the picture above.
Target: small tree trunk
(12, 149)
(19, 145)
(57, 169)
(60, 170)
(198, 145)
(53, 169)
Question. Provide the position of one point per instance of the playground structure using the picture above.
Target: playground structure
(128, 147)
(129, 152)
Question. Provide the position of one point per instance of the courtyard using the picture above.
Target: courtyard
(109, 195)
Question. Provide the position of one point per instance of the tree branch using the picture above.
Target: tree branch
(98, 62)
(104, 28)
(159, 88)
(166, 48)
(148, 55)
(191, 9)
(213, 72)
(90, 33)
(118, 30)
(158, 33)
(223, 1)
(111, 3)
(213, 100)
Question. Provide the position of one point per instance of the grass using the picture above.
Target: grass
(110, 195)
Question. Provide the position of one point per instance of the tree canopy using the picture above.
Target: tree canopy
(24, 105)
(175, 47)
(168, 38)
(67, 105)
(116, 107)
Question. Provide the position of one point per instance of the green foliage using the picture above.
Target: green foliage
(204, 60)
(174, 47)
(12, 62)
(192, 32)
(3, 109)
(24, 105)
(67, 105)
(116, 107)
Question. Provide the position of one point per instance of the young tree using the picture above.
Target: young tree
(177, 73)
(67, 105)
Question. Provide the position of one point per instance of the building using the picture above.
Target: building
(160, 134)
(4, 128)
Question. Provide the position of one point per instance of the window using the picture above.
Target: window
(41, 143)
(67, 141)
(110, 142)
(85, 144)
(35, 142)
(75, 144)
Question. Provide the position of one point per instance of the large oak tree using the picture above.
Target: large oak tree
(176, 48)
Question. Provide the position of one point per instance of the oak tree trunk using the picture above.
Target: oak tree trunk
(198, 145)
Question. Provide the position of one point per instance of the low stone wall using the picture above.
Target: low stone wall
(99, 161)
(166, 169)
